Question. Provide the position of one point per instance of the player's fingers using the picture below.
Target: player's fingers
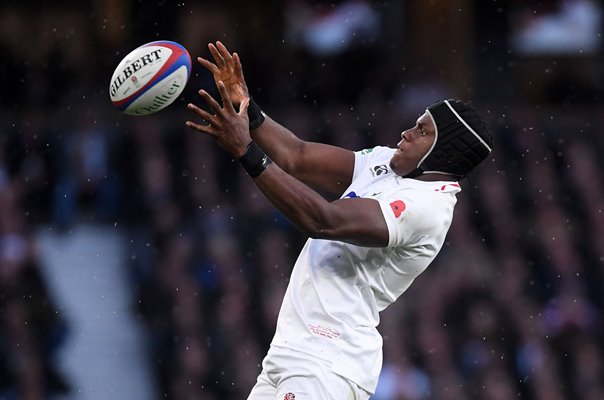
(201, 113)
(238, 67)
(226, 98)
(210, 66)
(224, 52)
(212, 103)
(207, 129)
(216, 54)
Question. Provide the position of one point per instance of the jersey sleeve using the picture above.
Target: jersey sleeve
(409, 217)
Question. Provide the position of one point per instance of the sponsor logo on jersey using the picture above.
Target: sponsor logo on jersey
(379, 170)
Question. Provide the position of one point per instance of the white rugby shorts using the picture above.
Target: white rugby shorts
(292, 375)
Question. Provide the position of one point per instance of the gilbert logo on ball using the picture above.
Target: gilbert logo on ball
(150, 77)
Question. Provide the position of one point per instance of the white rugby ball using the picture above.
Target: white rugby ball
(150, 77)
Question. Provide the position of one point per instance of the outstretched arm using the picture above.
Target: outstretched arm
(327, 168)
(358, 221)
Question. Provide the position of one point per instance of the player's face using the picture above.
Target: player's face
(415, 143)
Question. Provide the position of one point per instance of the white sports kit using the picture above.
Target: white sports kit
(326, 345)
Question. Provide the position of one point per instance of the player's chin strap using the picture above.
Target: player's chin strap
(419, 171)
(456, 149)
(415, 173)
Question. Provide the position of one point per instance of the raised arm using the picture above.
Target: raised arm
(324, 167)
(358, 221)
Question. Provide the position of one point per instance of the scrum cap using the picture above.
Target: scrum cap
(463, 139)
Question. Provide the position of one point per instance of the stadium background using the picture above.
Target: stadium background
(138, 261)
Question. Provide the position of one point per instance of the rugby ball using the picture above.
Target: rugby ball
(150, 77)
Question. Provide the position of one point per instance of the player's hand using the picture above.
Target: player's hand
(228, 127)
(228, 70)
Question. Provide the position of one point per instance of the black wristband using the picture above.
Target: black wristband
(254, 161)
(255, 115)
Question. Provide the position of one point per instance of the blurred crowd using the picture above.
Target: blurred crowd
(511, 308)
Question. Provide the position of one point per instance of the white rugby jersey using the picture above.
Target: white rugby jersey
(330, 309)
